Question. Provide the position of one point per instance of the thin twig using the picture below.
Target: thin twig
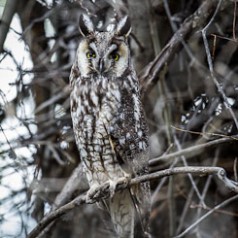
(104, 190)
(210, 64)
(226, 202)
(205, 189)
(188, 152)
(149, 75)
(234, 22)
(235, 169)
(183, 158)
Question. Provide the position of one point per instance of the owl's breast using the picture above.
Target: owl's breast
(95, 105)
(103, 108)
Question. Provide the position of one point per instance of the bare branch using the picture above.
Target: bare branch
(188, 152)
(150, 74)
(226, 202)
(52, 100)
(209, 60)
(103, 190)
(9, 11)
(71, 185)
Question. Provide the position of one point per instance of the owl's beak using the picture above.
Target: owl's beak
(101, 65)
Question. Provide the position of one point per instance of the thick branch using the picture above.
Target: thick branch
(77, 180)
(150, 74)
(103, 190)
(9, 11)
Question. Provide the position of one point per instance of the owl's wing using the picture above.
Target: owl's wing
(136, 165)
(129, 136)
(129, 139)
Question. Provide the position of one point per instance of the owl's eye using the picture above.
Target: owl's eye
(90, 54)
(115, 56)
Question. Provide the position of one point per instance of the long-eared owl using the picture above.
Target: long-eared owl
(108, 121)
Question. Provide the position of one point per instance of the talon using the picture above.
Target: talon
(127, 179)
(92, 193)
(113, 184)
(147, 234)
(112, 187)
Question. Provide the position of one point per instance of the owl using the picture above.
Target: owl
(109, 123)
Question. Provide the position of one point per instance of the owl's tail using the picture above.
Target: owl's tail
(129, 209)
(122, 212)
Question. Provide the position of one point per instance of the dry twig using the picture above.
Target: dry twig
(150, 74)
(103, 190)
(188, 152)
(226, 202)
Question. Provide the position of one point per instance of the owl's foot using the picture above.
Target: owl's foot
(113, 183)
(112, 187)
(147, 234)
(92, 193)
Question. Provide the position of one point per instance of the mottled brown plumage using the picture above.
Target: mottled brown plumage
(108, 120)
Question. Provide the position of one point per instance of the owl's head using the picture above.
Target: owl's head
(103, 53)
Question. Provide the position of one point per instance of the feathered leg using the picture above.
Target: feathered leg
(142, 200)
(130, 208)
(122, 212)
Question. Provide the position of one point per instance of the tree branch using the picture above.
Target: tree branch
(8, 13)
(198, 221)
(190, 151)
(103, 190)
(150, 74)
(77, 180)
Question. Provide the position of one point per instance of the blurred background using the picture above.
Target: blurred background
(190, 99)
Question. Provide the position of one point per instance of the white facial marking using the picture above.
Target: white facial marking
(122, 64)
(83, 63)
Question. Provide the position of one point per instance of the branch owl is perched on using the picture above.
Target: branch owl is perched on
(108, 121)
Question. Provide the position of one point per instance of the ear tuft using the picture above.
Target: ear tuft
(86, 26)
(124, 27)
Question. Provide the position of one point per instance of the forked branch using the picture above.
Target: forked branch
(150, 74)
(104, 191)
